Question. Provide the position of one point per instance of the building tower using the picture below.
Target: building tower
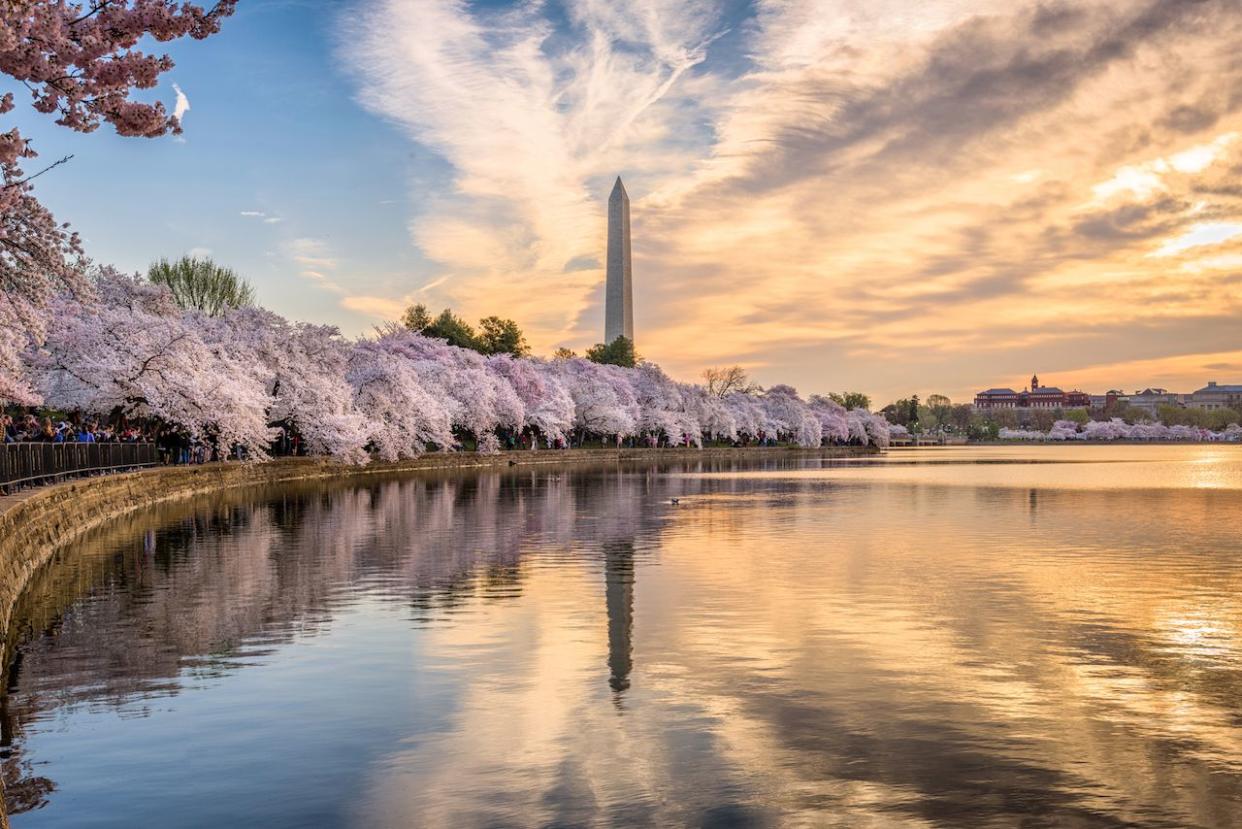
(618, 290)
(1034, 382)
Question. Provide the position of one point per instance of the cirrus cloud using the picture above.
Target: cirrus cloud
(845, 194)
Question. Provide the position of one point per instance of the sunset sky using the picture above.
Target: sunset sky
(883, 195)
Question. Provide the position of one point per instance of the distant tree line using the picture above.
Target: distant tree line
(494, 335)
(938, 414)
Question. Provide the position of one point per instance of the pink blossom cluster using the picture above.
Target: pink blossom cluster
(1118, 429)
(234, 379)
(79, 61)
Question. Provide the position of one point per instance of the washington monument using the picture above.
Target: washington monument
(618, 293)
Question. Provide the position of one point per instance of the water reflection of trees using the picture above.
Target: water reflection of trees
(184, 593)
(996, 656)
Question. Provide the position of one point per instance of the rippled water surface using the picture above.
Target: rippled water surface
(1047, 636)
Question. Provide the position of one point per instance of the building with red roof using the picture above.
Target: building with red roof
(1035, 397)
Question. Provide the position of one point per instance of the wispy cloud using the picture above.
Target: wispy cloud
(947, 189)
(382, 309)
(534, 122)
(310, 253)
(314, 259)
(265, 217)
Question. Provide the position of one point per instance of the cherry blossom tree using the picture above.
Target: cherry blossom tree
(403, 419)
(878, 434)
(548, 406)
(856, 423)
(832, 418)
(304, 374)
(791, 417)
(129, 348)
(1118, 429)
(478, 400)
(604, 401)
(79, 61)
(660, 405)
(130, 353)
(38, 260)
(707, 414)
(749, 415)
(1063, 430)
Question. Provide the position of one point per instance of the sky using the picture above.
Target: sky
(875, 195)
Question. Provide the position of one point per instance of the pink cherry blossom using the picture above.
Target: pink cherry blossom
(79, 61)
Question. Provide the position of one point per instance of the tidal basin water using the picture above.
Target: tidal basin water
(995, 637)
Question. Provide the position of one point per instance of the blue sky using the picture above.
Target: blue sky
(273, 127)
(889, 196)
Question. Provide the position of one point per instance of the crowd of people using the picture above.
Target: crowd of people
(32, 429)
(175, 446)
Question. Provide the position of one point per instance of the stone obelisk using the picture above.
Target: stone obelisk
(618, 293)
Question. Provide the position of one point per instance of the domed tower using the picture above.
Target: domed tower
(1034, 382)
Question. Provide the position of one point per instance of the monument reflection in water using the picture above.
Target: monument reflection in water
(948, 639)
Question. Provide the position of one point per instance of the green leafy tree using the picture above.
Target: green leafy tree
(960, 417)
(939, 410)
(495, 335)
(202, 285)
(1042, 419)
(896, 412)
(1215, 419)
(1131, 414)
(564, 353)
(458, 332)
(851, 399)
(619, 352)
(502, 336)
(416, 318)
(982, 427)
(1222, 418)
(1006, 418)
(1078, 416)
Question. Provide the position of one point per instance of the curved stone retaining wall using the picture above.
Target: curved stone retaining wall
(35, 524)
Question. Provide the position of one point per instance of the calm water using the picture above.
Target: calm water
(1047, 636)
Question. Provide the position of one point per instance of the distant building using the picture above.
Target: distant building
(996, 399)
(1036, 397)
(1214, 396)
(1150, 400)
(1108, 399)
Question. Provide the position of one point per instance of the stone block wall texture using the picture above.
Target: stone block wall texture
(35, 525)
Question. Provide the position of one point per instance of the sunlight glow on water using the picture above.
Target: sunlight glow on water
(1041, 636)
